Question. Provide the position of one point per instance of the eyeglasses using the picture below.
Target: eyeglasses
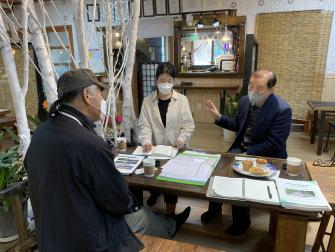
(326, 163)
(164, 80)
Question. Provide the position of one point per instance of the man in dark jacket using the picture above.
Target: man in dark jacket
(80, 201)
(263, 124)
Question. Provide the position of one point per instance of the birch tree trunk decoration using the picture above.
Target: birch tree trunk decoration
(111, 100)
(127, 106)
(78, 6)
(43, 55)
(18, 93)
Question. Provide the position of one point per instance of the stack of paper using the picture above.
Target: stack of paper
(243, 189)
(301, 195)
(190, 167)
(158, 152)
(126, 164)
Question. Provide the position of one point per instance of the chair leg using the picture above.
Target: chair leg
(321, 231)
(325, 149)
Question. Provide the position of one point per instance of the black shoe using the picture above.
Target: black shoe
(238, 229)
(210, 215)
(152, 199)
(181, 218)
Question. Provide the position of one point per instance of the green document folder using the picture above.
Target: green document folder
(214, 159)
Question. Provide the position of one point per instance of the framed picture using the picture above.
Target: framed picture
(148, 8)
(174, 7)
(90, 9)
(161, 7)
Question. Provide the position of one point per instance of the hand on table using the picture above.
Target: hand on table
(180, 143)
(147, 147)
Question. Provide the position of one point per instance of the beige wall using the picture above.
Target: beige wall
(5, 95)
(328, 92)
(197, 98)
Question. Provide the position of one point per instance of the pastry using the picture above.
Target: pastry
(261, 162)
(247, 164)
(258, 171)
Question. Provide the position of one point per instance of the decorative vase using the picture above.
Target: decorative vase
(8, 231)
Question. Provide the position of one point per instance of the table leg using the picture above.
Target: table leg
(321, 130)
(291, 233)
(331, 244)
(314, 126)
(321, 231)
(273, 222)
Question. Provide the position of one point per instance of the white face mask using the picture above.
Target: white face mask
(165, 88)
(256, 98)
(103, 108)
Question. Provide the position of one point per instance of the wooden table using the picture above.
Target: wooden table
(290, 225)
(155, 244)
(325, 108)
(325, 176)
(4, 112)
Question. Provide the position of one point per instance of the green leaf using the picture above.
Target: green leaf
(5, 205)
(34, 120)
(12, 134)
(4, 165)
(1, 135)
(2, 178)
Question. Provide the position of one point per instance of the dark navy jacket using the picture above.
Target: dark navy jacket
(270, 131)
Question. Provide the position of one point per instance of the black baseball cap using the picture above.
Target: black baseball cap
(76, 79)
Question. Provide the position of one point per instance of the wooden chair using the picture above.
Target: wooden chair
(323, 231)
(27, 239)
(331, 126)
(155, 244)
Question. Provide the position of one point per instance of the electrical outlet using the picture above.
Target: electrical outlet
(198, 106)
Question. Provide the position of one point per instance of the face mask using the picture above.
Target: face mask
(257, 98)
(165, 88)
(103, 108)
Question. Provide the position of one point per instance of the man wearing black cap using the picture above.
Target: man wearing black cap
(80, 201)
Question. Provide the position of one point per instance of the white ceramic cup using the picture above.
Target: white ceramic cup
(293, 166)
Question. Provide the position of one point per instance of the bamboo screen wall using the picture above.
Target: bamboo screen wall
(294, 45)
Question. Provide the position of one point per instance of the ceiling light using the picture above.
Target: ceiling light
(200, 23)
(216, 22)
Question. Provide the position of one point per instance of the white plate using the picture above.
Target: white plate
(238, 167)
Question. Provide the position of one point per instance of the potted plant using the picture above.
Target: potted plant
(12, 174)
(109, 134)
(230, 110)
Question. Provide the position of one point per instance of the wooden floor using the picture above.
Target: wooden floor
(155, 244)
(210, 137)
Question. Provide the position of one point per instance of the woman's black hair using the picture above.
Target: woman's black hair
(66, 98)
(165, 68)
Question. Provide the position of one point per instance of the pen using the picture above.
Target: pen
(269, 192)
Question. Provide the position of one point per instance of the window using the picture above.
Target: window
(58, 40)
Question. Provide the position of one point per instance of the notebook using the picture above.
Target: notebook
(302, 195)
(243, 189)
(159, 152)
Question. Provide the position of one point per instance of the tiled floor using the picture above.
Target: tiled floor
(209, 137)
